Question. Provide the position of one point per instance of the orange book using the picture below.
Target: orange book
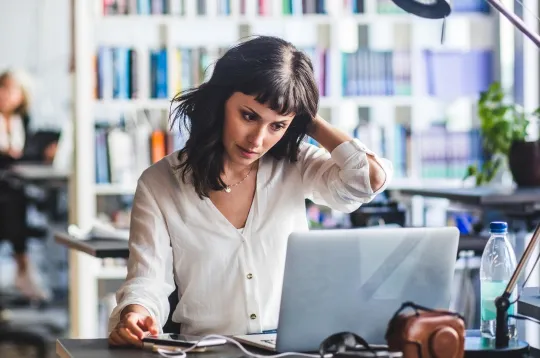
(157, 145)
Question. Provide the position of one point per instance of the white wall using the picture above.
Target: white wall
(35, 36)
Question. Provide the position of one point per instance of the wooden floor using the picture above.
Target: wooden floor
(11, 351)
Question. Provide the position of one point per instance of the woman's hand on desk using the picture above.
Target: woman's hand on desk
(135, 324)
(13, 154)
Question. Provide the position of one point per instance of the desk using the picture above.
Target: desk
(96, 247)
(91, 348)
(85, 263)
(481, 196)
(517, 203)
(48, 178)
(38, 172)
(523, 203)
(529, 302)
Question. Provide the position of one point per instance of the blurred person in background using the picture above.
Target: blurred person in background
(14, 134)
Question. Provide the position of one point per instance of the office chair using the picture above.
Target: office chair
(20, 336)
(170, 326)
(381, 211)
(23, 337)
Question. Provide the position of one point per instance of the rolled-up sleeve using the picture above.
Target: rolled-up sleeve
(149, 280)
(340, 180)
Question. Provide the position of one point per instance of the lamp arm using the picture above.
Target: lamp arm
(516, 21)
(502, 303)
(522, 262)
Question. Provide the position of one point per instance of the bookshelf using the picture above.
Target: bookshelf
(148, 40)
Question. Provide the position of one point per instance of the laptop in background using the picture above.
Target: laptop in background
(355, 280)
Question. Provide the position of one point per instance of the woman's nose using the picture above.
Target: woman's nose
(256, 137)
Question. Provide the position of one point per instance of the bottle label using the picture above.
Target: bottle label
(490, 290)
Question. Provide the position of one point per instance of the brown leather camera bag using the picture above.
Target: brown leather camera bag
(426, 333)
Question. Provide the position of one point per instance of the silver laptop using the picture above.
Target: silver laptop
(354, 280)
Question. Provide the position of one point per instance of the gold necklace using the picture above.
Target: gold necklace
(228, 188)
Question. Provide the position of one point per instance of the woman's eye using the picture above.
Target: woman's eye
(278, 127)
(248, 116)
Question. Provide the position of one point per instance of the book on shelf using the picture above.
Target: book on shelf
(158, 73)
(381, 73)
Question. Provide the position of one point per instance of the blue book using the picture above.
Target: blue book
(122, 71)
(143, 7)
(161, 74)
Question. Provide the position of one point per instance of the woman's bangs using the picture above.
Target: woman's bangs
(284, 98)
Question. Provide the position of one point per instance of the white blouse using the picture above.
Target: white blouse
(230, 280)
(15, 138)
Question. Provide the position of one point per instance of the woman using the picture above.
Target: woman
(218, 213)
(14, 120)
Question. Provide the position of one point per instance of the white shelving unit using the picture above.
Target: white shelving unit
(338, 32)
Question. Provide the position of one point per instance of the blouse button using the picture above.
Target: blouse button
(249, 276)
(253, 316)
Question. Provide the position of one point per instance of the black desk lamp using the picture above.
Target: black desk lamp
(477, 347)
(439, 9)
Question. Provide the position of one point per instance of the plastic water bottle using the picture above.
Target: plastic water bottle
(498, 264)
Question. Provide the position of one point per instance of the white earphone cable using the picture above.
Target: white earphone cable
(182, 353)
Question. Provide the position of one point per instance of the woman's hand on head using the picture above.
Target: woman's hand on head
(312, 129)
(132, 328)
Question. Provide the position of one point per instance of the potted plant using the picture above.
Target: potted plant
(503, 127)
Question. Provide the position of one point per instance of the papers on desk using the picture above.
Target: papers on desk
(99, 230)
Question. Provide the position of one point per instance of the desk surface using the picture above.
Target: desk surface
(481, 195)
(529, 302)
(100, 248)
(114, 248)
(91, 348)
(36, 172)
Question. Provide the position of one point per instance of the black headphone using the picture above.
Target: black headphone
(349, 344)
(431, 9)
(341, 342)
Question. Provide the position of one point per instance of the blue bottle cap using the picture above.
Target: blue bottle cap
(498, 226)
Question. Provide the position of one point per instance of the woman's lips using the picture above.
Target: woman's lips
(246, 153)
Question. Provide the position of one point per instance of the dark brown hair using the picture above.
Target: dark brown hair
(273, 71)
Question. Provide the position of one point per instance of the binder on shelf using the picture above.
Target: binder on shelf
(453, 74)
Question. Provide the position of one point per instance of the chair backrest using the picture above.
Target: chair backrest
(170, 326)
